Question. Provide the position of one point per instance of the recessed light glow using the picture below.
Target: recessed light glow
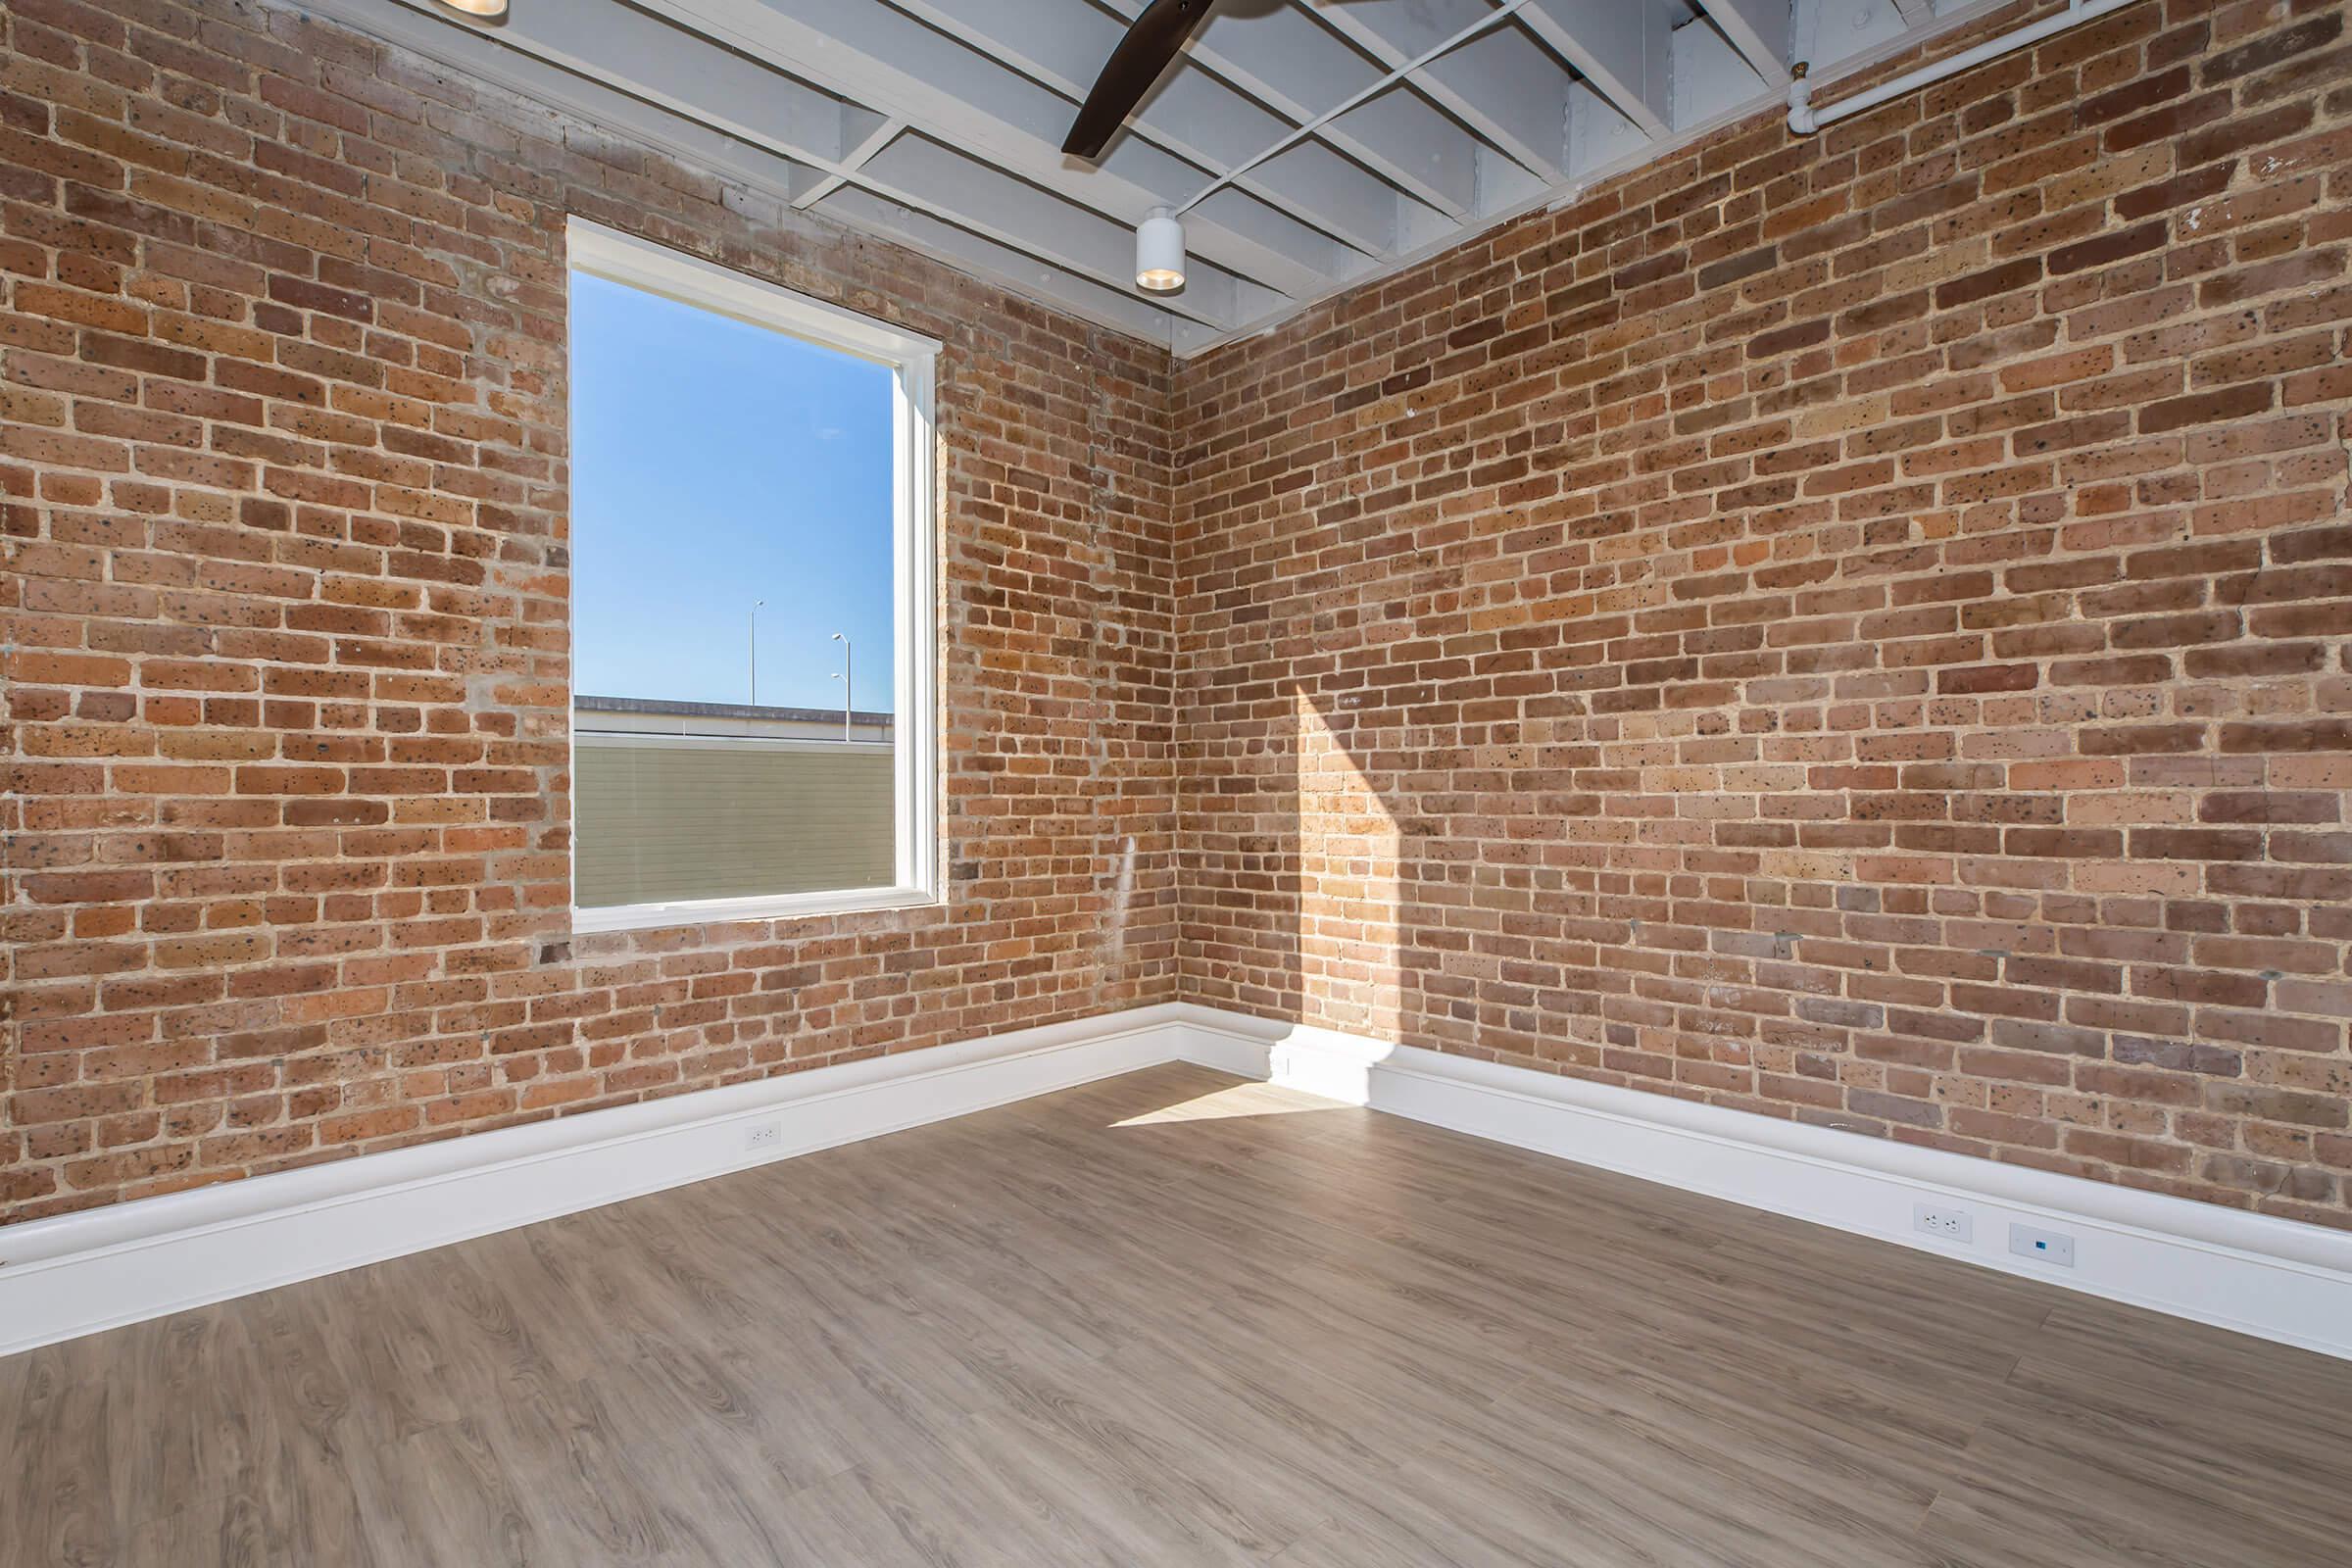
(1160, 253)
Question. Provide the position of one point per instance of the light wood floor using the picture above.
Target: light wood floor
(1172, 1319)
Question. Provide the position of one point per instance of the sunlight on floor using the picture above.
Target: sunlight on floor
(1242, 1100)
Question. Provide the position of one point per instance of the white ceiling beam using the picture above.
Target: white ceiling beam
(1712, 78)
(952, 184)
(1445, 175)
(867, 134)
(759, 172)
(1194, 115)
(1120, 309)
(1285, 58)
(1623, 47)
(1508, 90)
(1844, 29)
(744, 98)
(1499, 85)
(800, 103)
(1366, 216)
(1061, 44)
(1759, 30)
(667, 68)
(1601, 140)
(1409, 143)
(883, 58)
(1198, 115)
(1234, 211)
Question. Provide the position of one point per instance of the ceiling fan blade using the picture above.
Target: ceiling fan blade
(1133, 66)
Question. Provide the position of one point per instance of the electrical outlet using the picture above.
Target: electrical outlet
(2043, 1246)
(763, 1135)
(1944, 1224)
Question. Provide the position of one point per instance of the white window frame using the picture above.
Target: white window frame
(624, 258)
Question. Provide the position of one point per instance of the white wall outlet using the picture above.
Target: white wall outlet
(2043, 1246)
(1944, 1224)
(763, 1135)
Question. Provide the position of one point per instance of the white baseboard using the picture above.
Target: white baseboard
(78, 1273)
(2273, 1278)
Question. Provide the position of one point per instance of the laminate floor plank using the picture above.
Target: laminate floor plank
(1174, 1318)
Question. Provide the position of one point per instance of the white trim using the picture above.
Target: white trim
(662, 916)
(917, 613)
(79, 1273)
(620, 257)
(2257, 1274)
(913, 360)
(669, 741)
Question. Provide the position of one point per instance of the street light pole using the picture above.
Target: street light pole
(752, 628)
(848, 669)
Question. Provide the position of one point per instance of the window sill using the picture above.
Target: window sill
(763, 906)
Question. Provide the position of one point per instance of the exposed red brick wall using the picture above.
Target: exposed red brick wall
(282, 374)
(1850, 628)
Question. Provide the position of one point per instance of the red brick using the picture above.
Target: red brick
(294, 498)
(2022, 681)
(1847, 627)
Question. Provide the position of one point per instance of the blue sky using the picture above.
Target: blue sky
(714, 464)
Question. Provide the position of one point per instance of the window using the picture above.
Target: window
(753, 632)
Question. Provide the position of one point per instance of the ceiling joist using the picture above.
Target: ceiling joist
(1759, 30)
(1310, 144)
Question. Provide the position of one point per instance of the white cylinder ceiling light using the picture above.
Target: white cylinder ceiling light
(1160, 253)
